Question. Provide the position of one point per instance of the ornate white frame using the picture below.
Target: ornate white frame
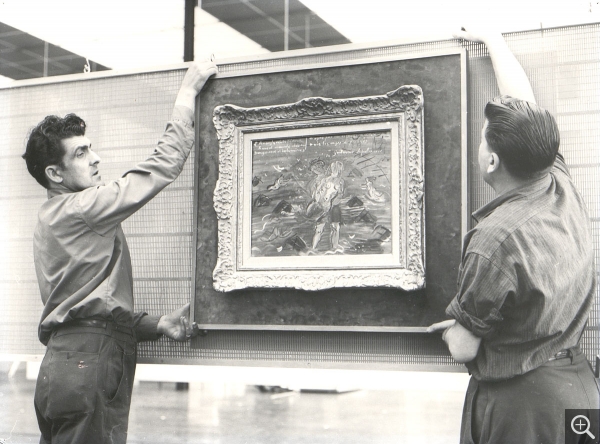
(403, 106)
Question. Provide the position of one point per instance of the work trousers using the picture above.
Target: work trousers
(530, 408)
(83, 391)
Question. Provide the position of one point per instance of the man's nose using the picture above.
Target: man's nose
(95, 159)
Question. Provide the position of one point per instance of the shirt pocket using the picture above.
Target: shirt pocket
(73, 381)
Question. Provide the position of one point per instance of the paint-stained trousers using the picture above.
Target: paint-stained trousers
(83, 391)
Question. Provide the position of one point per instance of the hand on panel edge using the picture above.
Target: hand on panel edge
(439, 326)
(195, 78)
(176, 325)
(477, 34)
(462, 344)
(197, 75)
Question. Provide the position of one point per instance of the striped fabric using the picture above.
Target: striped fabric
(527, 280)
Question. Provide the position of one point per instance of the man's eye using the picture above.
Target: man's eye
(80, 154)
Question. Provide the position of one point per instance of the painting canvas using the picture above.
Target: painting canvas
(321, 193)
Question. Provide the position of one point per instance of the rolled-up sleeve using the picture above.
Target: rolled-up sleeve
(483, 289)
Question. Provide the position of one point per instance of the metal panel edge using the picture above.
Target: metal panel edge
(307, 365)
(316, 328)
(291, 60)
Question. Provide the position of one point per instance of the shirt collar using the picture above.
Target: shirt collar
(527, 190)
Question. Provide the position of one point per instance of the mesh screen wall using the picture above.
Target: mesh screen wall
(126, 115)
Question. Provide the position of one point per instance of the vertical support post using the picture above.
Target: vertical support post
(307, 31)
(286, 25)
(188, 31)
(45, 59)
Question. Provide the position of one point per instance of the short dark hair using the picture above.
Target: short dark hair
(524, 135)
(44, 146)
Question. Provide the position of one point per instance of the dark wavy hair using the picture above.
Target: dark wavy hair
(44, 146)
(524, 135)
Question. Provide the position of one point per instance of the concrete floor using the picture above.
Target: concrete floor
(232, 412)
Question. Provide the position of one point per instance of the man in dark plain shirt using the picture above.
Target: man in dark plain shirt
(84, 272)
(527, 279)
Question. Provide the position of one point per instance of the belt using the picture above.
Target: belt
(87, 323)
(97, 323)
(566, 353)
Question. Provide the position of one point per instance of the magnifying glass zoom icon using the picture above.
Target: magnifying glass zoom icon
(578, 427)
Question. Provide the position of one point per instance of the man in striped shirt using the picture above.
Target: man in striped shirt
(527, 279)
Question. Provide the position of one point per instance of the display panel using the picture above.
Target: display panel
(320, 298)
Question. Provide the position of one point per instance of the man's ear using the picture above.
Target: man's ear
(54, 174)
(493, 163)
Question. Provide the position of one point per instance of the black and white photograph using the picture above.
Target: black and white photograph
(300, 222)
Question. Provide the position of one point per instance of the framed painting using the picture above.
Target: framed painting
(322, 193)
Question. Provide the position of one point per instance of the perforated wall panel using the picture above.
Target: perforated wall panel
(126, 115)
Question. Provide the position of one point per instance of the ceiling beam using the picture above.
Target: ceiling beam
(188, 30)
(24, 56)
(275, 24)
(271, 20)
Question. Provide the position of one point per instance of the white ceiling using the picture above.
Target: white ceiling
(134, 34)
(379, 20)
